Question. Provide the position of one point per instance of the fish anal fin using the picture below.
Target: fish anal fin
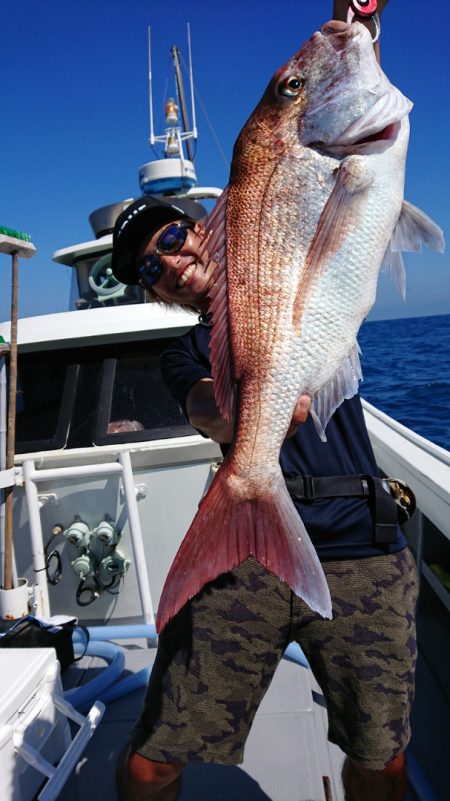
(228, 529)
(342, 386)
(343, 209)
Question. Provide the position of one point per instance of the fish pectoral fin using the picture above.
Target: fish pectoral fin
(343, 385)
(220, 346)
(342, 212)
(413, 228)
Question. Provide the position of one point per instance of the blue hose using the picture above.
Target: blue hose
(101, 687)
(132, 632)
(134, 682)
(83, 696)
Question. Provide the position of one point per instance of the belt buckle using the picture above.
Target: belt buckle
(308, 488)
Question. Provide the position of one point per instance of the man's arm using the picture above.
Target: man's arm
(203, 413)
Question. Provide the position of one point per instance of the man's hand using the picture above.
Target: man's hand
(204, 415)
(301, 412)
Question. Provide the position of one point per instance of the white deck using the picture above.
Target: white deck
(287, 754)
(286, 759)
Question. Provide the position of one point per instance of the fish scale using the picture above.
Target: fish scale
(313, 207)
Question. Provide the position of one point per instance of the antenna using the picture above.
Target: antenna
(180, 89)
(150, 91)
(191, 78)
(173, 173)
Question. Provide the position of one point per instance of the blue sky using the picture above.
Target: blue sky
(74, 115)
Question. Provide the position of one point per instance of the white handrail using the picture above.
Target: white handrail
(123, 467)
(136, 538)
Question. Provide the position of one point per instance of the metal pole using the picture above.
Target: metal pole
(37, 545)
(3, 429)
(150, 88)
(191, 78)
(136, 538)
(180, 86)
(11, 436)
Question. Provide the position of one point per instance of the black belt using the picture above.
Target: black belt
(383, 505)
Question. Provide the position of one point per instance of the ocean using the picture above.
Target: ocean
(406, 369)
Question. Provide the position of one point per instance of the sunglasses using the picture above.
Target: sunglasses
(170, 241)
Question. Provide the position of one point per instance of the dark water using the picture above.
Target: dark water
(406, 368)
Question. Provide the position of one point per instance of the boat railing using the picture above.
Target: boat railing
(425, 467)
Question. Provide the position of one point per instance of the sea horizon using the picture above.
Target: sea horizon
(406, 372)
(405, 317)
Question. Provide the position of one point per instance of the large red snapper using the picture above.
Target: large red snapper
(313, 207)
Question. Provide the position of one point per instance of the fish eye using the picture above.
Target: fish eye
(291, 86)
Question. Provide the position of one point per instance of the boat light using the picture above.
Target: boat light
(172, 145)
(171, 112)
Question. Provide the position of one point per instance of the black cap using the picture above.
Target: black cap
(139, 221)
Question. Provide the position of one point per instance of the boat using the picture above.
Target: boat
(100, 449)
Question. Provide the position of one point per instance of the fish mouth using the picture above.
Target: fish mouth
(376, 142)
(377, 129)
(387, 134)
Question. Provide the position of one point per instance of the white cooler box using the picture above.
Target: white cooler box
(34, 731)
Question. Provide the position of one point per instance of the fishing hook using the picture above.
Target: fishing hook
(365, 9)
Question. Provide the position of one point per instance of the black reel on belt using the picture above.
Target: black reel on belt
(404, 498)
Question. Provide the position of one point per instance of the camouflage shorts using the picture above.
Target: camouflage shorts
(216, 659)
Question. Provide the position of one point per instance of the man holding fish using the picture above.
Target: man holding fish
(283, 272)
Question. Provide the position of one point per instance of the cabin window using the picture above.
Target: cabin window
(93, 285)
(136, 404)
(44, 406)
(79, 397)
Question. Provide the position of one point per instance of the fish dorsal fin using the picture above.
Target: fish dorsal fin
(413, 228)
(220, 346)
(341, 213)
(343, 385)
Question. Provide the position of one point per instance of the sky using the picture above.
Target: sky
(74, 119)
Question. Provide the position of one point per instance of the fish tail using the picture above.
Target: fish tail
(228, 529)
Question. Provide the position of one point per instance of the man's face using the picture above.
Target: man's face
(187, 275)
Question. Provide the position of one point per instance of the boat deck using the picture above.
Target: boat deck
(287, 754)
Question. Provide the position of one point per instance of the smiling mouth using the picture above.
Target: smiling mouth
(186, 275)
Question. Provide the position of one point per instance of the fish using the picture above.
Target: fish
(313, 210)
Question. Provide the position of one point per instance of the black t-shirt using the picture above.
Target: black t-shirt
(340, 528)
